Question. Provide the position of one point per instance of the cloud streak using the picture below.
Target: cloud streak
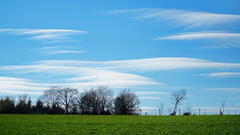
(191, 19)
(143, 65)
(16, 86)
(200, 35)
(185, 18)
(224, 89)
(119, 73)
(135, 65)
(149, 98)
(58, 50)
(222, 39)
(50, 35)
(151, 93)
(111, 78)
(222, 74)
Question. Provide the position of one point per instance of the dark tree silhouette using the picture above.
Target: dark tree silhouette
(67, 97)
(23, 106)
(96, 101)
(222, 108)
(38, 108)
(177, 98)
(59, 100)
(88, 102)
(50, 99)
(126, 103)
(7, 105)
(104, 97)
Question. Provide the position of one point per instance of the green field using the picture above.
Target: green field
(114, 125)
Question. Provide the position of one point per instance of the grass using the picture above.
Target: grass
(118, 125)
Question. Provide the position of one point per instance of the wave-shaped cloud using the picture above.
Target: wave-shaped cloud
(51, 50)
(226, 39)
(120, 73)
(222, 74)
(50, 35)
(200, 35)
(185, 18)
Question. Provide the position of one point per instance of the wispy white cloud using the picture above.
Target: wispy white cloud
(88, 76)
(148, 108)
(222, 74)
(58, 50)
(19, 86)
(111, 78)
(147, 64)
(192, 19)
(200, 35)
(121, 73)
(61, 52)
(151, 93)
(124, 66)
(149, 98)
(183, 18)
(224, 89)
(16, 86)
(222, 39)
(51, 35)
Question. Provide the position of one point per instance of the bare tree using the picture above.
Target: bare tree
(126, 103)
(104, 96)
(50, 97)
(161, 109)
(67, 97)
(177, 98)
(222, 108)
(96, 101)
(88, 102)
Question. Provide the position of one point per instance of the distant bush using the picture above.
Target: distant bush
(187, 113)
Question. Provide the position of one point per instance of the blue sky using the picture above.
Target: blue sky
(152, 47)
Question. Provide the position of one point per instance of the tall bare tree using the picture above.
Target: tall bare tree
(161, 109)
(222, 108)
(96, 101)
(177, 98)
(88, 102)
(50, 97)
(104, 96)
(126, 103)
(67, 97)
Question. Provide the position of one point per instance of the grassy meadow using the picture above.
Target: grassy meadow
(11, 124)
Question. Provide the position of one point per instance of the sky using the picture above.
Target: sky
(152, 47)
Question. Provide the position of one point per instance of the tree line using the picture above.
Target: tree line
(58, 100)
(94, 101)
